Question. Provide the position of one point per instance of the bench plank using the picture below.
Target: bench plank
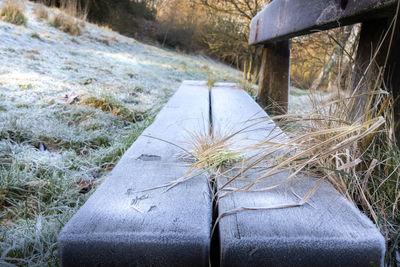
(331, 232)
(285, 19)
(118, 227)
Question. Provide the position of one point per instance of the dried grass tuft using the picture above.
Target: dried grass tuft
(41, 12)
(67, 24)
(12, 11)
(71, 18)
(206, 153)
(211, 150)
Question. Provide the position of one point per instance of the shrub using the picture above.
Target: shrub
(12, 11)
(66, 24)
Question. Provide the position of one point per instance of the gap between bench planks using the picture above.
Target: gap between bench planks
(118, 227)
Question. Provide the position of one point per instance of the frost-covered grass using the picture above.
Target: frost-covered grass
(69, 108)
(301, 101)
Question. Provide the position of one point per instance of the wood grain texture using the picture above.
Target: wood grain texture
(119, 226)
(331, 232)
(273, 92)
(285, 19)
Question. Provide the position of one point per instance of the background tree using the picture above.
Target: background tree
(220, 28)
(227, 31)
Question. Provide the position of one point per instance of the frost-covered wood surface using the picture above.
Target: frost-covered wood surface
(327, 231)
(119, 226)
(53, 145)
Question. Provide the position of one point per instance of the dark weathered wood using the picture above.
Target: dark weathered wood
(371, 36)
(284, 19)
(273, 90)
(392, 76)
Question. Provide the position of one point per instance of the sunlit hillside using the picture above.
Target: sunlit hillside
(69, 107)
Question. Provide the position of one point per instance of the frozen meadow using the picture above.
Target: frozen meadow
(69, 108)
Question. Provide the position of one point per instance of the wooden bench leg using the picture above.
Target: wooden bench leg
(273, 91)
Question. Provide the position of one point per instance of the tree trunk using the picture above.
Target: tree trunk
(337, 50)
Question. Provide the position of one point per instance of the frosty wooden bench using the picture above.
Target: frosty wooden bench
(328, 232)
(118, 226)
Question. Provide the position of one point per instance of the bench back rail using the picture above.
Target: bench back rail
(284, 19)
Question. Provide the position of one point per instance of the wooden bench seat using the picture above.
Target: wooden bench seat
(329, 232)
(117, 227)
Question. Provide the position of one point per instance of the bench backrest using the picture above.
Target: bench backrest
(285, 19)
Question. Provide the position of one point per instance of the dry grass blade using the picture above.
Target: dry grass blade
(241, 209)
(339, 138)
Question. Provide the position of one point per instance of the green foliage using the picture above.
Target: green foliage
(250, 88)
(298, 92)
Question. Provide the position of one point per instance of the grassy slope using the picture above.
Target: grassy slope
(39, 67)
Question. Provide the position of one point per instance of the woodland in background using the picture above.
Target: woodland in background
(220, 29)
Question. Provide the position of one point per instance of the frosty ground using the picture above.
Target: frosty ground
(69, 108)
